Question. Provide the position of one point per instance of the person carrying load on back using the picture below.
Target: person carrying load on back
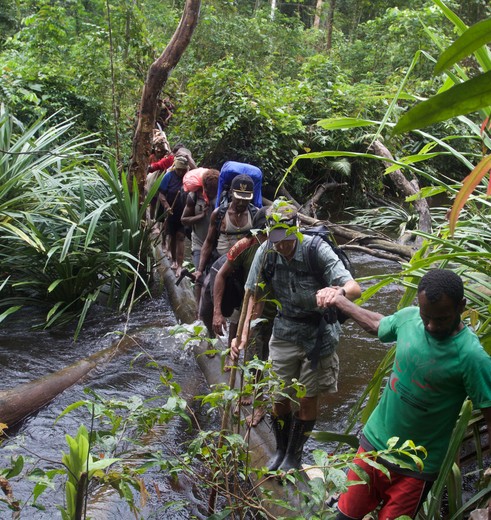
(168, 160)
(231, 169)
(202, 184)
(172, 200)
(229, 222)
(304, 340)
(234, 270)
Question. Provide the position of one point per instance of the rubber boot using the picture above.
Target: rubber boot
(293, 456)
(281, 428)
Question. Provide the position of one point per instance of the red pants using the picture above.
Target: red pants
(399, 495)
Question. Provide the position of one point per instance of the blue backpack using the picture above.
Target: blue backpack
(231, 169)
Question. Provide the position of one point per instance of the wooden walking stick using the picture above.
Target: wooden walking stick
(231, 384)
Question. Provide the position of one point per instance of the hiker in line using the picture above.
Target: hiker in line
(166, 162)
(229, 222)
(235, 266)
(160, 146)
(172, 200)
(438, 363)
(200, 204)
(304, 340)
(160, 150)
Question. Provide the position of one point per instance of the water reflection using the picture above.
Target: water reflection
(359, 352)
(26, 355)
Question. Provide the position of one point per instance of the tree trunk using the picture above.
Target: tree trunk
(156, 78)
(330, 23)
(407, 188)
(21, 401)
(318, 12)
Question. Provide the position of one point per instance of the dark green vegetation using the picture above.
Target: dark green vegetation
(279, 93)
(248, 88)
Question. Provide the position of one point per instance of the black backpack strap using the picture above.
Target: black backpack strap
(222, 209)
(269, 265)
(313, 256)
(253, 210)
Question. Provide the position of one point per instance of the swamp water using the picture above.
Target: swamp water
(27, 355)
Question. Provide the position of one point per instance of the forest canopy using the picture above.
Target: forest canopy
(251, 86)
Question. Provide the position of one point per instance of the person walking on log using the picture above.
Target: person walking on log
(229, 222)
(438, 363)
(172, 201)
(304, 340)
(200, 205)
(233, 271)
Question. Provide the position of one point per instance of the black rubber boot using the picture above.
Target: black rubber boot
(281, 428)
(293, 456)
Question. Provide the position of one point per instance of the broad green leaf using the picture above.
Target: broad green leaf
(427, 191)
(473, 38)
(412, 159)
(16, 468)
(102, 464)
(70, 408)
(464, 98)
(482, 54)
(339, 123)
(468, 186)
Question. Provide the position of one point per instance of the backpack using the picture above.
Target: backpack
(322, 234)
(230, 170)
(319, 234)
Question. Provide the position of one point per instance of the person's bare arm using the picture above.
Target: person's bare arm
(367, 320)
(164, 203)
(189, 217)
(350, 290)
(219, 322)
(254, 310)
(208, 244)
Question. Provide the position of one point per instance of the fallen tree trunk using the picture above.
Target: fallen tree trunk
(181, 297)
(23, 400)
(374, 244)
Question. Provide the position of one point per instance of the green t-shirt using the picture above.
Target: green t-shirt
(430, 380)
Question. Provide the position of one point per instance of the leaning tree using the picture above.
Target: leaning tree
(156, 78)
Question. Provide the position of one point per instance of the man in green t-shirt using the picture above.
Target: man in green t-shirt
(438, 363)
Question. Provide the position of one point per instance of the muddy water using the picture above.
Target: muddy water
(26, 355)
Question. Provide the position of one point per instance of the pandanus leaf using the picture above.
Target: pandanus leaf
(468, 186)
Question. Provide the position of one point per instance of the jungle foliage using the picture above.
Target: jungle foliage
(248, 88)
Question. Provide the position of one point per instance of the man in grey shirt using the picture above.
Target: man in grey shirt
(304, 340)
